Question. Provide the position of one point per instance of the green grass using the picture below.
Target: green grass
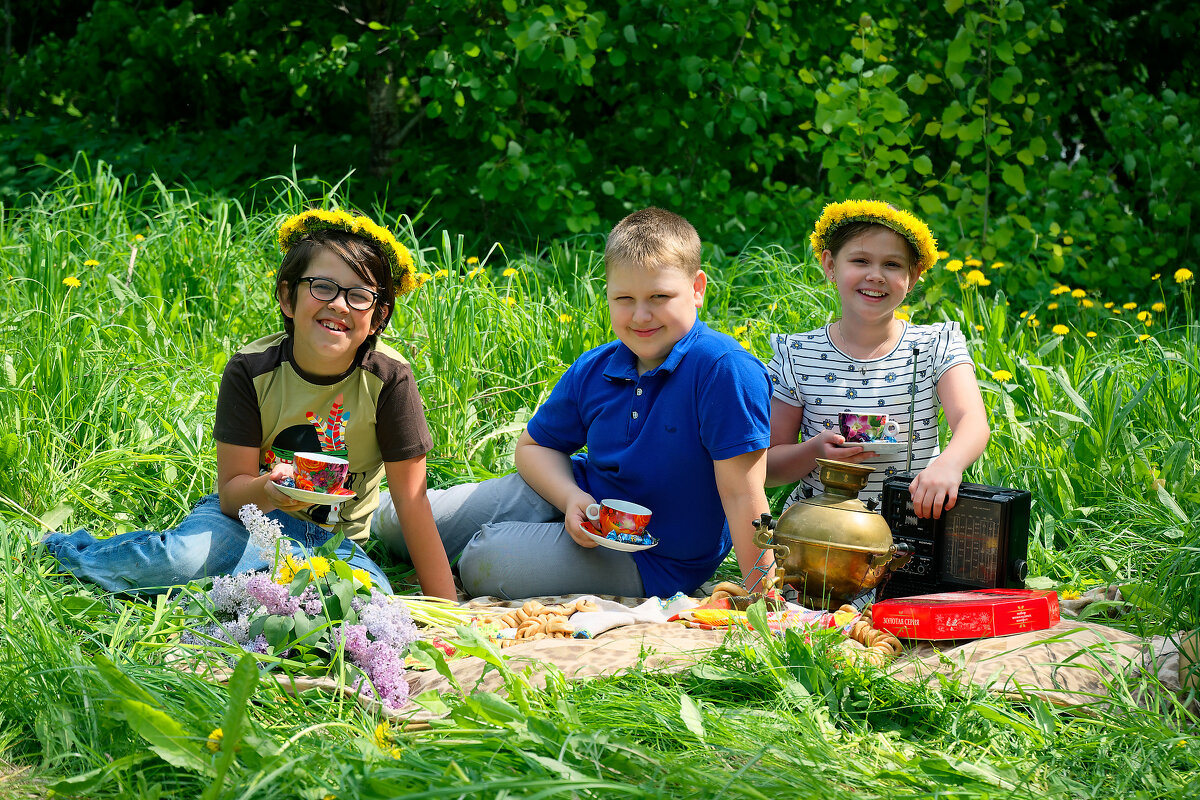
(107, 391)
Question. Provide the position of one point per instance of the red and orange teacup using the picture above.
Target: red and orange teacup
(320, 472)
(618, 516)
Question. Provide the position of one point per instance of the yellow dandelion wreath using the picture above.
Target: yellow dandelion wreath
(296, 227)
(835, 215)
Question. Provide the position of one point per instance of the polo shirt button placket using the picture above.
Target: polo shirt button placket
(636, 413)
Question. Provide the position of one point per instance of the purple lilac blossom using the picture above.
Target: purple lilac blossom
(272, 595)
(389, 622)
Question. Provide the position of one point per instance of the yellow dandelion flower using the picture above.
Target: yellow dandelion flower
(509, 272)
(744, 343)
(1091, 334)
(1034, 323)
(1109, 304)
(738, 331)
(510, 301)
(1060, 289)
(565, 318)
(1069, 594)
(383, 735)
(1061, 330)
(318, 565)
(1117, 311)
(362, 576)
(954, 266)
(422, 277)
(974, 262)
(1129, 306)
(942, 254)
(1143, 337)
(91, 262)
(475, 272)
(1183, 274)
(1143, 316)
(1052, 306)
(979, 327)
(472, 260)
(1024, 314)
(977, 278)
(902, 313)
(441, 273)
(1077, 293)
(835, 215)
(1159, 307)
(1087, 303)
(139, 238)
(213, 743)
(288, 569)
(1156, 276)
(71, 282)
(1002, 375)
(997, 264)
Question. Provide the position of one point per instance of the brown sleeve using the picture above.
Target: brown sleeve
(238, 421)
(400, 425)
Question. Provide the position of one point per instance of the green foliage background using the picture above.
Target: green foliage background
(1057, 137)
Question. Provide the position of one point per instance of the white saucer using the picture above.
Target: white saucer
(624, 547)
(316, 498)
(879, 448)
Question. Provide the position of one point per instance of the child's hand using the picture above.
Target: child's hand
(277, 498)
(829, 445)
(574, 517)
(935, 489)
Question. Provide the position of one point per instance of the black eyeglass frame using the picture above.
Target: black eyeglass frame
(341, 290)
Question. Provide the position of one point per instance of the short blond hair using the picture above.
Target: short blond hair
(654, 239)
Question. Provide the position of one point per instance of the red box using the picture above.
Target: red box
(967, 615)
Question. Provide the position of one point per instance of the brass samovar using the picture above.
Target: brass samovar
(832, 547)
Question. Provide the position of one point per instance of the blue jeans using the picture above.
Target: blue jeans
(207, 543)
(513, 543)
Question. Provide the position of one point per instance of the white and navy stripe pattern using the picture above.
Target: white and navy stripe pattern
(808, 371)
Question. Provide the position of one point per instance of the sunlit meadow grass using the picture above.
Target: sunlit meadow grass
(120, 305)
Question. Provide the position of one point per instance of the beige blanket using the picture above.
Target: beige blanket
(1076, 663)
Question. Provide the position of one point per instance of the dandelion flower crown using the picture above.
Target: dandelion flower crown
(297, 227)
(916, 232)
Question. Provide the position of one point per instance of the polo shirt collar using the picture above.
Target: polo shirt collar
(622, 365)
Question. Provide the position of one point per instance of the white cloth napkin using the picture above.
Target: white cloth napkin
(588, 624)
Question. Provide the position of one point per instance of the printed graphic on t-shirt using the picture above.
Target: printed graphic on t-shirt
(321, 435)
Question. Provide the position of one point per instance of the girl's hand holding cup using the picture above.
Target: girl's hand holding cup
(574, 517)
(277, 498)
(832, 445)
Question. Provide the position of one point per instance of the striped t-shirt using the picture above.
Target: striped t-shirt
(808, 371)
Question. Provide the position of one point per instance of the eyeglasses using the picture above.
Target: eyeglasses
(360, 298)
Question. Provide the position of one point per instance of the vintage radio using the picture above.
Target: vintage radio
(981, 543)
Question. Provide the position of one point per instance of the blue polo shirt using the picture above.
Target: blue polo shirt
(652, 439)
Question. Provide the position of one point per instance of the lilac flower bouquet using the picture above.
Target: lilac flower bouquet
(316, 611)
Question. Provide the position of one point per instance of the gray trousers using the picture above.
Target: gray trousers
(513, 543)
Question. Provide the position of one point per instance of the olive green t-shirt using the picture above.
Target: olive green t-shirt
(373, 413)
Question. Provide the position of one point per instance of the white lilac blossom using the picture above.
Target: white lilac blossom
(265, 533)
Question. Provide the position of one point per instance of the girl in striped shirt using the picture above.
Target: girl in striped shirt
(864, 362)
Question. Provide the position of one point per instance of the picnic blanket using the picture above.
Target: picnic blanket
(1077, 663)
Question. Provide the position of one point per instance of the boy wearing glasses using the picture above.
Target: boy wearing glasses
(325, 384)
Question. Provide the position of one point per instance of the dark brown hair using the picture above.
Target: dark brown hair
(360, 254)
(842, 235)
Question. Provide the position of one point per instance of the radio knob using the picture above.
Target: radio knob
(1020, 569)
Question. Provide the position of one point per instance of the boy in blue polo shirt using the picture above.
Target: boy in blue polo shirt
(674, 416)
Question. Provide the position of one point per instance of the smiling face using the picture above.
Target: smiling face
(872, 272)
(652, 309)
(326, 333)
